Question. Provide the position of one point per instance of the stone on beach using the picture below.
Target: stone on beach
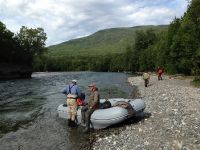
(174, 121)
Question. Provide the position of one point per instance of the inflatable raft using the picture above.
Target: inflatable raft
(102, 118)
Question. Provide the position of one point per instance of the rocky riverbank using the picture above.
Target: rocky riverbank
(14, 71)
(174, 122)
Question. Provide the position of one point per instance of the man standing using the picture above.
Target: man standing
(159, 72)
(90, 107)
(72, 91)
(146, 78)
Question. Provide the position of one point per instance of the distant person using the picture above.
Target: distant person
(146, 78)
(159, 72)
(72, 91)
(89, 108)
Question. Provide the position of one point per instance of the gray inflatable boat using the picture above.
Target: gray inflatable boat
(102, 118)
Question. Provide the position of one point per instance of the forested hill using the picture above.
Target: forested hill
(175, 47)
(108, 41)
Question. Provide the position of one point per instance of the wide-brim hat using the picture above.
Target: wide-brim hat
(92, 85)
(74, 81)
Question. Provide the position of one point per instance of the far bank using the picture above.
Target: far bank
(14, 71)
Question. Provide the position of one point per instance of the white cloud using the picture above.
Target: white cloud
(66, 19)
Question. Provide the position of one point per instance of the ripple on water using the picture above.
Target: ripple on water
(28, 109)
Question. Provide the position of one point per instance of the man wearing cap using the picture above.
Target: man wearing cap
(90, 107)
(146, 78)
(72, 91)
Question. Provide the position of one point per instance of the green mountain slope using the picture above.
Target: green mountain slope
(103, 42)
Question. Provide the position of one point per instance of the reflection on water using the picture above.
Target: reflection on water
(28, 118)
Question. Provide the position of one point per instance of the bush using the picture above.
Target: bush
(196, 81)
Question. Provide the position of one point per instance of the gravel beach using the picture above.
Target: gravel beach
(173, 122)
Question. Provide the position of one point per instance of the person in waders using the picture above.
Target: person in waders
(72, 91)
(146, 78)
(89, 108)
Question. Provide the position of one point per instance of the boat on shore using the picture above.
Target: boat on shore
(102, 118)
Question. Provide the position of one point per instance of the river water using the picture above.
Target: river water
(28, 117)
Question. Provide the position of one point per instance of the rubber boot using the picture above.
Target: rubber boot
(69, 122)
(73, 124)
(145, 83)
(83, 122)
(87, 128)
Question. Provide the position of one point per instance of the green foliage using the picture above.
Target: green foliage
(143, 49)
(7, 44)
(104, 42)
(106, 50)
(176, 48)
(183, 41)
(196, 81)
(22, 47)
(32, 42)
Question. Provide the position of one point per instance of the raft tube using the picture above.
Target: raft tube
(102, 118)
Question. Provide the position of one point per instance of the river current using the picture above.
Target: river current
(28, 117)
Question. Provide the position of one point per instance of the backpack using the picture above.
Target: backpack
(105, 105)
(79, 102)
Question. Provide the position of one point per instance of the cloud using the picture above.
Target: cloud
(67, 19)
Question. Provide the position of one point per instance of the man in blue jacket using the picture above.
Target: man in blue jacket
(72, 91)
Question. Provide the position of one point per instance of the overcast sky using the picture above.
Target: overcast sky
(63, 20)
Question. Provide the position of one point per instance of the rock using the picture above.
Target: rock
(174, 121)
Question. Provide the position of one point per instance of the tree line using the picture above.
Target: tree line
(176, 49)
(23, 47)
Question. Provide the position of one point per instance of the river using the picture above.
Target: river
(28, 117)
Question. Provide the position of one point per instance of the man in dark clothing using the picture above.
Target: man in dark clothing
(90, 107)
